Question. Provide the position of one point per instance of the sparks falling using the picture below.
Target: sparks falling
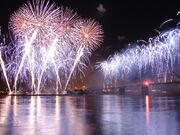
(160, 55)
(50, 42)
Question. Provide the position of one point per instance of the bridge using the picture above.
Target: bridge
(146, 88)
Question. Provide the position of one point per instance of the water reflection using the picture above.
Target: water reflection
(89, 115)
(147, 110)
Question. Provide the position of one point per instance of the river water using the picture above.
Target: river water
(89, 115)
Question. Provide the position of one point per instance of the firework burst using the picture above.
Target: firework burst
(159, 56)
(87, 36)
(52, 42)
(89, 33)
(37, 15)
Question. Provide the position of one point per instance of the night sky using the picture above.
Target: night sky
(122, 22)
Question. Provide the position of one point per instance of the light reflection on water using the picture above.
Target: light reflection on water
(89, 115)
(147, 110)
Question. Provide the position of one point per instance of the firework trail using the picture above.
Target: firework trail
(160, 54)
(4, 72)
(51, 51)
(169, 20)
(31, 62)
(2, 62)
(38, 19)
(27, 51)
(79, 55)
(89, 36)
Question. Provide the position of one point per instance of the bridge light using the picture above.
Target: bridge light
(146, 83)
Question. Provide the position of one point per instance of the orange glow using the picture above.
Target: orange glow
(164, 92)
(84, 101)
(166, 103)
(84, 87)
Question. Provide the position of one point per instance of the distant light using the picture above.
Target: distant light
(164, 91)
(84, 87)
(146, 83)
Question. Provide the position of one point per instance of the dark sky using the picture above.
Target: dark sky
(130, 21)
